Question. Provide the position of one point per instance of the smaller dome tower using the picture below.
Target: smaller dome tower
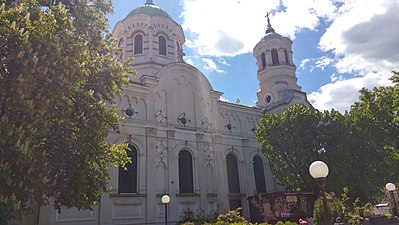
(276, 72)
(151, 37)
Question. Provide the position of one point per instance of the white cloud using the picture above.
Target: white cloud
(303, 63)
(360, 38)
(320, 63)
(335, 78)
(189, 60)
(363, 37)
(232, 27)
(323, 61)
(224, 62)
(211, 66)
(344, 92)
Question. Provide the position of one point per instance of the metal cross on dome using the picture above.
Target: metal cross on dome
(267, 16)
(269, 26)
(149, 2)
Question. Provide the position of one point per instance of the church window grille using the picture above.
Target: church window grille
(162, 45)
(138, 44)
(230, 127)
(263, 60)
(127, 182)
(183, 120)
(232, 174)
(186, 184)
(275, 56)
(259, 174)
(129, 112)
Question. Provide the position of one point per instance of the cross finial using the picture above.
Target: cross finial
(149, 2)
(269, 26)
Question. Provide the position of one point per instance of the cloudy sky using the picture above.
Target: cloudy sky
(339, 46)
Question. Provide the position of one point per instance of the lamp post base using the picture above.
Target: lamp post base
(166, 214)
(321, 182)
(394, 208)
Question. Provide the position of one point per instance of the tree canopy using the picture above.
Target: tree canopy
(360, 146)
(59, 74)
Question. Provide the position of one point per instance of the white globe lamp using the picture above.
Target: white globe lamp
(318, 169)
(165, 199)
(390, 187)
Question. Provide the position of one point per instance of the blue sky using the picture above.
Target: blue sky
(339, 46)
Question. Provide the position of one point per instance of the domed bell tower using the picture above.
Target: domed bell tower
(276, 72)
(151, 37)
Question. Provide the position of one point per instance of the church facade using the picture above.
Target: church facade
(185, 142)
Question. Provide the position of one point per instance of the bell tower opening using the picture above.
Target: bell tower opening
(276, 72)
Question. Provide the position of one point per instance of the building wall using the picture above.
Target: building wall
(170, 107)
(213, 130)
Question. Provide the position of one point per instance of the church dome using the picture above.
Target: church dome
(270, 32)
(271, 35)
(150, 10)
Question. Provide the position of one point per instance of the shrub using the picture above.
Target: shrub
(232, 216)
(335, 208)
(191, 218)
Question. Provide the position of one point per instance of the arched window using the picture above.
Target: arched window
(259, 174)
(275, 56)
(232, 174)
(186, 184)
(138, 44)
(127, 182)
(286, 56)
(162, 45)
(263, 60)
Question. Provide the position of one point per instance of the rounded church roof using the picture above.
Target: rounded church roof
(271, 36)
(150, 10)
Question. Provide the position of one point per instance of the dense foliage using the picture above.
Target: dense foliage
(360, 147)
(232, 217)
(58, 75)
(352, 212)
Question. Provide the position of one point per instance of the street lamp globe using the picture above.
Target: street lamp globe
(390, 187)
(165, 199)
(318, 169)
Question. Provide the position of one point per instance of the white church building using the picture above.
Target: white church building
(185, 142)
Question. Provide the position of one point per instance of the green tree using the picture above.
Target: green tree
(375, 122)
(59, 74)
(334, 206)
(293, 140)
(361, 147)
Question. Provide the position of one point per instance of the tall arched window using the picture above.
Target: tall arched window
(259, 174)
(286, 56)
(138, 44)
(162, 45)
(232, 174)
(263, 60)
(127, 182)
(275, 56)
(186, 184)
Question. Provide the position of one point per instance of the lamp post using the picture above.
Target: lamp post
(391, 188)
(319, 171)
(165, 201)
